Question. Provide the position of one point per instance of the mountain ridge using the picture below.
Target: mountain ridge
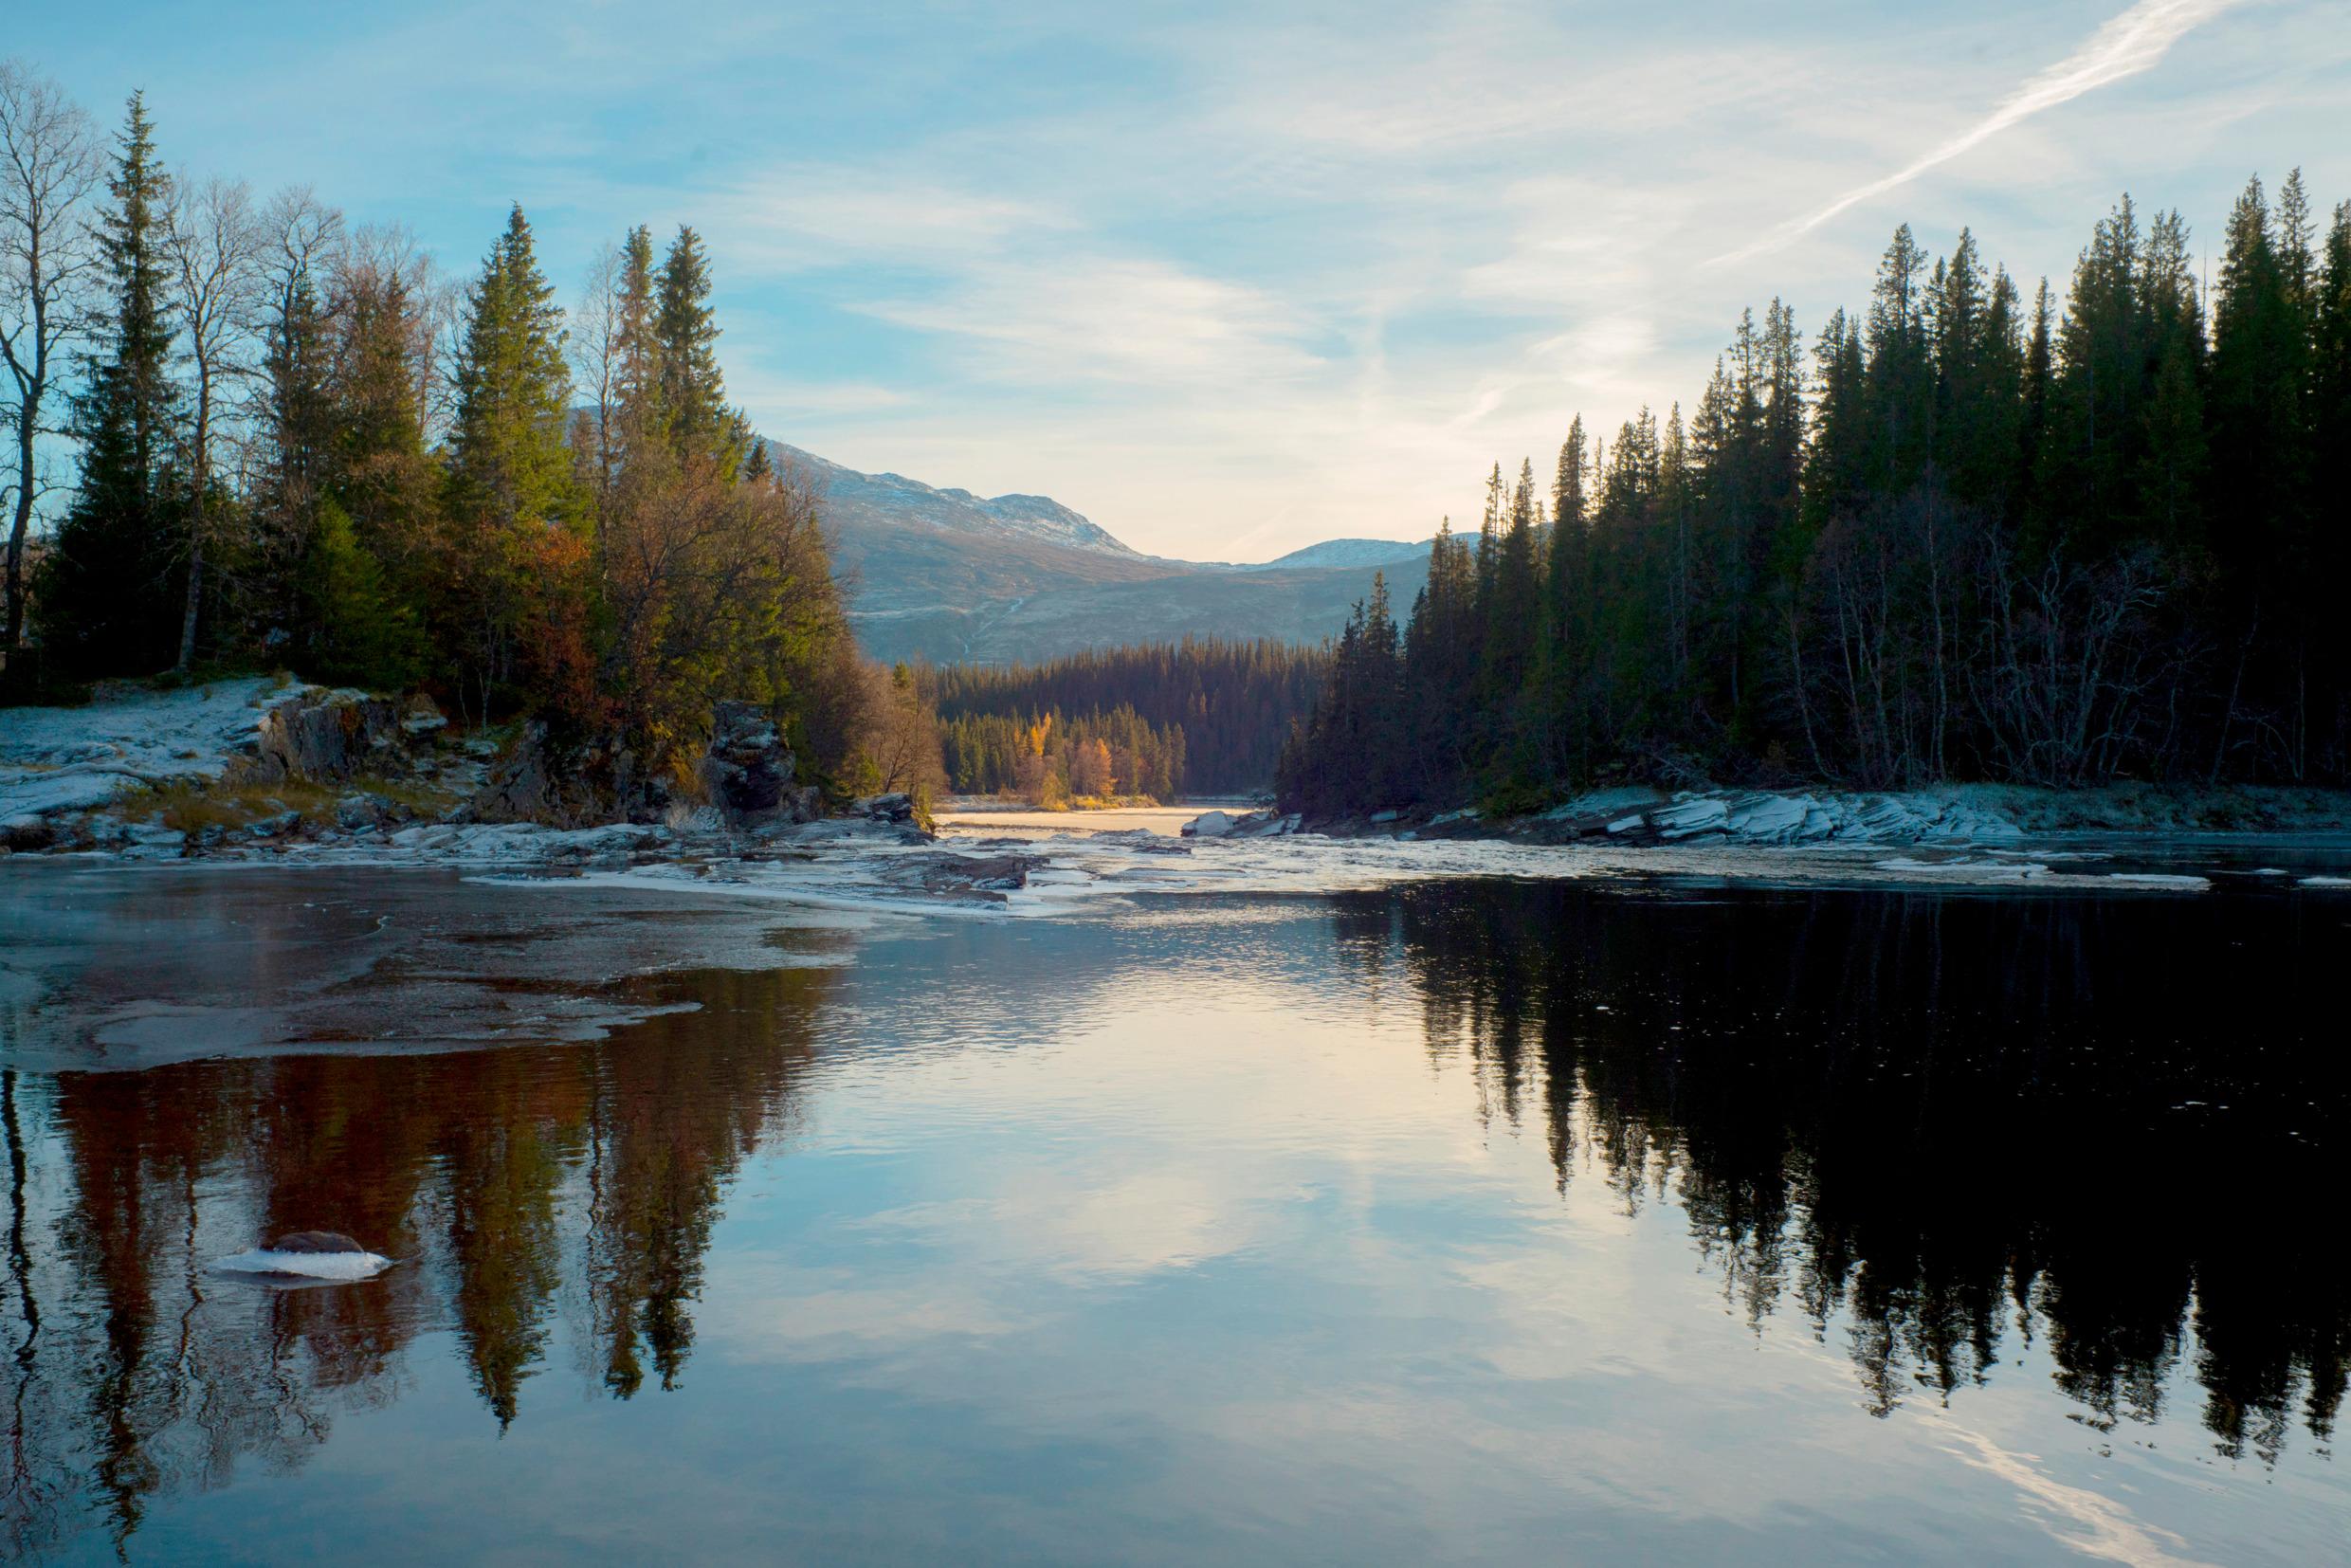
(941, 573)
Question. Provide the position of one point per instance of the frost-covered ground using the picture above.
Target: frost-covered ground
(61, 759)
(55, 763)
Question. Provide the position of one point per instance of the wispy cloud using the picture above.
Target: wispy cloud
(2134, 41)
(1119, 319)
(1249, 276)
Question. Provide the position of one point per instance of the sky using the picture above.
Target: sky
(1232, 278)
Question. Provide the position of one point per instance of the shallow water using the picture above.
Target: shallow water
(1472, 1221)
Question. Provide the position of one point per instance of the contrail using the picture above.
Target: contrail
(2127, 45)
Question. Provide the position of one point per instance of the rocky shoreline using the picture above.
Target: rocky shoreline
(261, 772)
(1646, 816)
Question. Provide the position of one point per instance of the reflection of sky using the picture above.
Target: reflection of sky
(1175, 1242)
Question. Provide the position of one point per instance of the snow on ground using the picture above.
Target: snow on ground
(66, 759)
(1765, 817)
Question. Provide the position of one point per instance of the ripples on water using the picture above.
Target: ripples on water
(1469, 1221)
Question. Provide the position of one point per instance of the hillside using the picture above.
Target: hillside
(947, 575)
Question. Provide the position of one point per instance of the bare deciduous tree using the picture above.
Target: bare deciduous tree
(49, 165)
(596, 364)
(215, 243)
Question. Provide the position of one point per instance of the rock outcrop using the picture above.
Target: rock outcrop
(978, 873)
(1265, 823)
(747, 772)
(328, 737)
(896, 807)
(521, 784)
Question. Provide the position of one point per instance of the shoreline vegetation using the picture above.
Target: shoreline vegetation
(296, 443)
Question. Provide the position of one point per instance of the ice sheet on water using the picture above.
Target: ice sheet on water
(343, 1266)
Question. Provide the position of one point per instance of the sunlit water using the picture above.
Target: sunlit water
(1463, 1222)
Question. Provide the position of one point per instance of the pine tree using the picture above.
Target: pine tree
(693, 394)
(2329, 482)
(514, 499)
(378, 468)
(1901, 389)
(1513, 613)
(513, 392)
(356, 629)
(2258, 480)
(1568, 607)
(108, 597)
(638, 390)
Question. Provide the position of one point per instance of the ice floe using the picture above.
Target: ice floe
(306, 1264)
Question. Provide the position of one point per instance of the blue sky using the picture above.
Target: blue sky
(1232, 278)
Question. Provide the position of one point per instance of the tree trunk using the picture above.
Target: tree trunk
(20, 524)
(195, 526)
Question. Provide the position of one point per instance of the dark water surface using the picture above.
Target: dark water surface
(1486, 1222)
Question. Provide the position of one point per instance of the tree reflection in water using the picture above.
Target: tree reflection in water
(1935, 1124)
(496, 1175)
(1936, 1129)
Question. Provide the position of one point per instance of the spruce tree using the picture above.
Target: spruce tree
(2258, 479)
(638, 384)
(1513, 614)
(108, 597)
(507, 573)
(509, 462)
(693, 394)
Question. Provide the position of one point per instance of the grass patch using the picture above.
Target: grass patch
(191, 807)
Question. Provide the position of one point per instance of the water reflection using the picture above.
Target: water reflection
(516, 1184)
(1953, 1137)
(1951, 1126)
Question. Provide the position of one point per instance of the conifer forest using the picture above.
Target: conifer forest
(2093, 535)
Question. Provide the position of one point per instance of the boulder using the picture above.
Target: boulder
(1262, 823)
(328, 737)
(747, 772)
(884, 807)
(981, 873)
(358, 811)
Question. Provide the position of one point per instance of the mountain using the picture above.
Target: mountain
(854, 499)
(946, 576)
(1346, 552)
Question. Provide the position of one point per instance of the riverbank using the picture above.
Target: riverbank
(269, 772)
(1947, 814)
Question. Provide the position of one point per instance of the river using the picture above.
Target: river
(1465, 1221)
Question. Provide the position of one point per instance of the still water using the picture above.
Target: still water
(1464, 1222)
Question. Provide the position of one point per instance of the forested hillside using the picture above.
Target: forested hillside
(297, 446)
(1965, 536)
(1226, 705)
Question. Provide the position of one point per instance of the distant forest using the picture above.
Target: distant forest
(1964, 536)
(1206, 716)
